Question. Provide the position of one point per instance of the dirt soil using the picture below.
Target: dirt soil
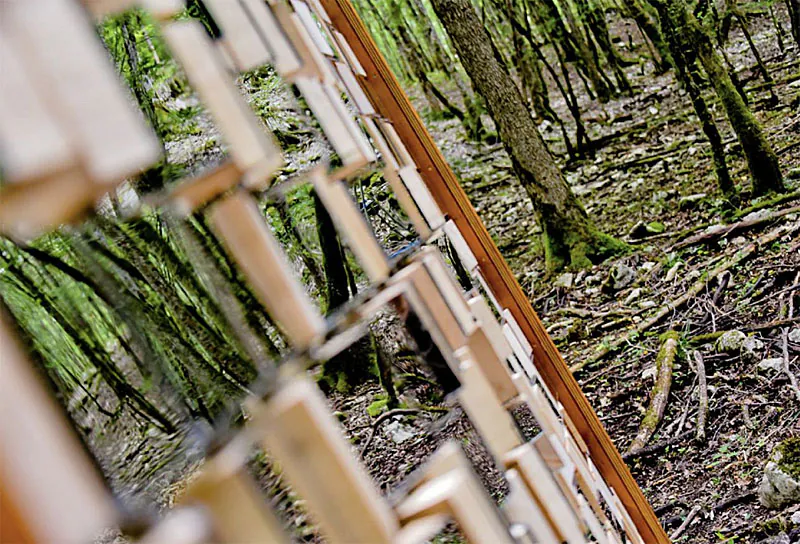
(653, 169)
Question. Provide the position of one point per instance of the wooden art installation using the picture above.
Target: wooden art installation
(68, 135)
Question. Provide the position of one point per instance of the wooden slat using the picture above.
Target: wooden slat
(432, 308)
(297, 428)
(252, 149)
(485, 411)
(313, 63)
(237, 220)
(32, 144)
(486, 319)
(457, 493)
(304, 14)
(521, 507)
(239, 35)
(463, 251)
(191, 194)
(407, 203)
(492, 366)
(284, 58)
(71, 69)
(448, 287)
(182, 525)
(347, 52)
(229, 495)
(544, 488)
(338, 129)
(356, 94)
(391, 102)
(431, 212)
(29, 209)
(352, 226)
(57, 494)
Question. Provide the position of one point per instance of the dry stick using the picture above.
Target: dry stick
(685, 525)
(658, 397)
(786, 369)
(696, 288)
(702, 394)
(725, 230)
(657, 447)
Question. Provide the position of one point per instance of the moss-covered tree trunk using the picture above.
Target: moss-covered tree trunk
(761, 159)
(570, 237)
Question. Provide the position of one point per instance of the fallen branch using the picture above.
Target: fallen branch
(724, 230)
(696, 288)
(786, 369)
(707, 337)
(685, 525)
(657, 447)
(381, 418)
(660, 393)
(702, 395)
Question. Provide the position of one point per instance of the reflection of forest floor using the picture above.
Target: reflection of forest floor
(656, 168)
(655, 157)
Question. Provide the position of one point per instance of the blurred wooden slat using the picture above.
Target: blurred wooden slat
(71, 69)
(252, 148)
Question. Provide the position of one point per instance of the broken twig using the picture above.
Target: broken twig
(685, 525)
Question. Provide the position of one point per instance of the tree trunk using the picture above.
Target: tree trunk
(570, 237)
(358, 363)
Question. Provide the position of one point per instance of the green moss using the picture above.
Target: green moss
(789, 451)
(377, 406)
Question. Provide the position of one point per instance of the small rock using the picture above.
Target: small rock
(398, 432)
(649, 373)
(730, 341)
(633, 295)
(622, 275)
(796, 518)
(672, 273)
(739, 241)
(773, 363)
(751, 349)
(794, 335)
(565, 280)
(645, 304)
(647, 266)
(687, 202)
(780, 484)
(781, 538)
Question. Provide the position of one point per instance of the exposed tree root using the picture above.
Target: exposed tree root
(660, 393)
(667, 309)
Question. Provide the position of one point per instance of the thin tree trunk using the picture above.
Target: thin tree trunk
(570, 237)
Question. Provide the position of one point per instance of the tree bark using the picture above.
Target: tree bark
(569, 236)
(761, 159)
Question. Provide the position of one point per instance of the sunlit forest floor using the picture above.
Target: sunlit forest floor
(650, 182)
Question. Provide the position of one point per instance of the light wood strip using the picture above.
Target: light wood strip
(237, 220)
(252, 149)
(297, 428)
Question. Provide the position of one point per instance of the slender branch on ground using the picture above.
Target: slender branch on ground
(685, 525)
(786, 369)
(724, 230)
(381, 418)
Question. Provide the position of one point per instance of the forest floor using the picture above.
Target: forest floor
(653, 169)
